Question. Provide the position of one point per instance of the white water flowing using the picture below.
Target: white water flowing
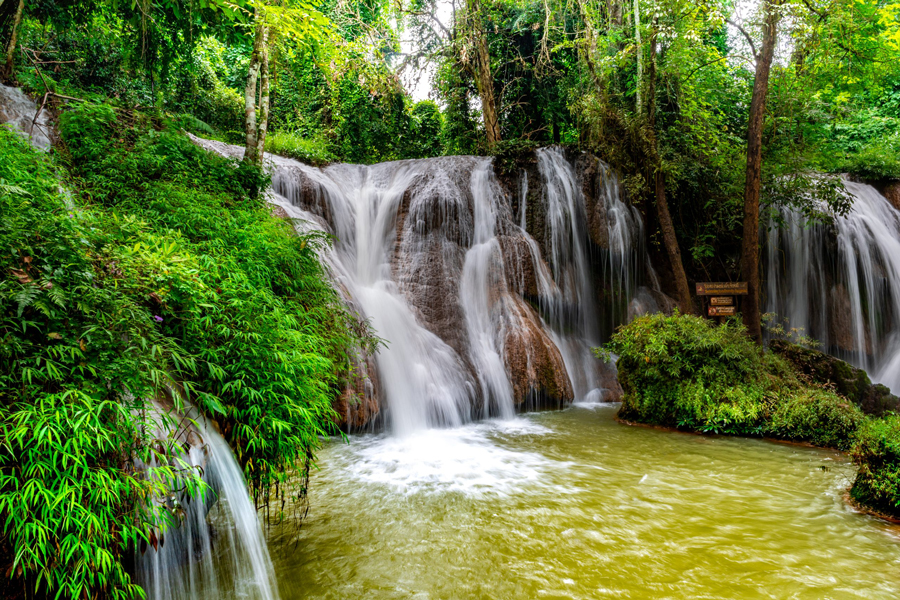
(433, 255)
(484, 261)
(841, 284)
(21, 114)
(216, 548)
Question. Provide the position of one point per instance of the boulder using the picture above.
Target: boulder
(534, 364)
(847, 380)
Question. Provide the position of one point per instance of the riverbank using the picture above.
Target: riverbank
(686, 373)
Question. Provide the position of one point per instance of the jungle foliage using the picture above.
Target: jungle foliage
(159, 267)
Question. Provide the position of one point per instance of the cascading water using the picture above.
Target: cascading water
(840, 283)
(23, 115)
(215, 548)
(439, 257)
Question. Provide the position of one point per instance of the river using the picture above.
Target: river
(571, 504)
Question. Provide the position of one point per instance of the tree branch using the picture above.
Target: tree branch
(746, 35)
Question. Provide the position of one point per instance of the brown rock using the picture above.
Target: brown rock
(358, 405)
(535, 366)
(589, 170)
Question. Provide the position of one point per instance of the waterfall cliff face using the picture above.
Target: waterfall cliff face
(841, 282)
(489, 289)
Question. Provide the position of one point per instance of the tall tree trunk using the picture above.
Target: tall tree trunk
(484, 80)
(685, 305)
(750, 244)
(639, 51)
(11, 49)
(256, 95)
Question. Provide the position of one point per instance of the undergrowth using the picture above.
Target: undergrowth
(160, 268)
(683, 371)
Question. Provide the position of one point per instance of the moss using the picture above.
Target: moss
(848, 381)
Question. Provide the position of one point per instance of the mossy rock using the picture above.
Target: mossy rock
(848, 381)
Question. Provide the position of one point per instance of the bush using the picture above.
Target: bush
(78, 355)
(816, 416)
(308, 150)
(686, 372)
(876, 450)
(683, 371)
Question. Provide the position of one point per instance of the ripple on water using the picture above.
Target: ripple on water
(573, 505)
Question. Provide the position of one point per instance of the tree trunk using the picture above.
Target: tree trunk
(262, 121)
(685, 305)
(750, 244)
(639, 51)
(256, 102)
(484, 80)
(11, 49)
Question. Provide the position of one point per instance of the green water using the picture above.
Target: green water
(574, 505)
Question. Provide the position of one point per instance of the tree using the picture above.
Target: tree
(11, 48)
(659, 183)
(752, 185)
(256, 93)
(479, 64)
(303, 24)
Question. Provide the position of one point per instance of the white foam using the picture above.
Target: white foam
(465, 460)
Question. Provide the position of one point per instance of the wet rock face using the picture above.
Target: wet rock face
(358, 406)
(535, 365)
(590, 180)
(890, 190)
(486, 286)
(22, 114)
(850, 382)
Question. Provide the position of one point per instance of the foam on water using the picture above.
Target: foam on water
(467, 460)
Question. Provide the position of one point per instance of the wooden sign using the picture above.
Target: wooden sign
(722, 288)
(721, 311)
(721, 301)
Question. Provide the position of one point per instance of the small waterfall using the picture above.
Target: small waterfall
(22, 115)
(215, 548)
(841, 282)
(483, 262)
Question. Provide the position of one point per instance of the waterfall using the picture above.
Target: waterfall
(840, 283)
(489, 292)
(215, 548)
(20, 113)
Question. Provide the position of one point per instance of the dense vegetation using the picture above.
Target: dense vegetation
(661, 89)
(686, 372)
(158, 267)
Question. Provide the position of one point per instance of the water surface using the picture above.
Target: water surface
(574, 505)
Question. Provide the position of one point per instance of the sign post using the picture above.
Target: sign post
(721, 297)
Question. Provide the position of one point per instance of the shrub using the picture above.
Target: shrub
(876, 450)
(684, 371)
(78, 355)
(312, 151)
(817, 416)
